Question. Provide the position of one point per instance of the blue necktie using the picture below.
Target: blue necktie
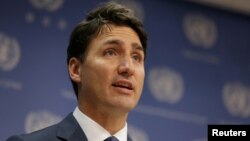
(112, 138)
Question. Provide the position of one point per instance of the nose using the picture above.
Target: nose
(126, 67)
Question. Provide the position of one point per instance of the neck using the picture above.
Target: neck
(111, 120)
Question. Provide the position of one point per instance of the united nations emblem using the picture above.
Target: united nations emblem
(49, 5)
(200, 30)
(236, 98)
(46, 5)
(9, 53)
(166, 85)
(40, 119)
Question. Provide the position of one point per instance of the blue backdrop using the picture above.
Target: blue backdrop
(197, 68)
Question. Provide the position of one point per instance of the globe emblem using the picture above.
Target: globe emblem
(39, 120)
(200, 30)
(166, 85)
(137, 134)
(49, 5)
(9, 53)
(236, 98)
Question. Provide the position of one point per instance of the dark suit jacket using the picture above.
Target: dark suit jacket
(66, 130)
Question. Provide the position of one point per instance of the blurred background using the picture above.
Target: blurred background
(197, 67)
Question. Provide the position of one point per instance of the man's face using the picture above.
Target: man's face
(112, 74)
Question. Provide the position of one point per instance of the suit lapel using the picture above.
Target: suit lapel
(70, 130)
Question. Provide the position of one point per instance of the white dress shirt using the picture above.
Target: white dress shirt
(94, 131)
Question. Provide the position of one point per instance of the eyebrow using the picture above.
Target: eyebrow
(138, 47)
(119, 42)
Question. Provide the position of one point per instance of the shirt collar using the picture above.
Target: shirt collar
(92, 128)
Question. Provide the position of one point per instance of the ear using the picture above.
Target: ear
(74, 69)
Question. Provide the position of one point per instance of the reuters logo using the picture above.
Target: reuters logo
(166, 85)
(39, 120)
(200, 30)
(236, 98)
(9, 53)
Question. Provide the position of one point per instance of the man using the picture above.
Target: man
(106, 66)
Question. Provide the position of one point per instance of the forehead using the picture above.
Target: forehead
(123, 32)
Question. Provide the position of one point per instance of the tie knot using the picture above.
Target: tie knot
(112, 138)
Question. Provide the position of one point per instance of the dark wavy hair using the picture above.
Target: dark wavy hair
(85, 31)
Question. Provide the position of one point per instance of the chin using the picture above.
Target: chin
(128, 107)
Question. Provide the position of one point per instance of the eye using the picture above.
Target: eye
(137, 57)
(110, 52)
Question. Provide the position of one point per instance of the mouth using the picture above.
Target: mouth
(123, 84)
